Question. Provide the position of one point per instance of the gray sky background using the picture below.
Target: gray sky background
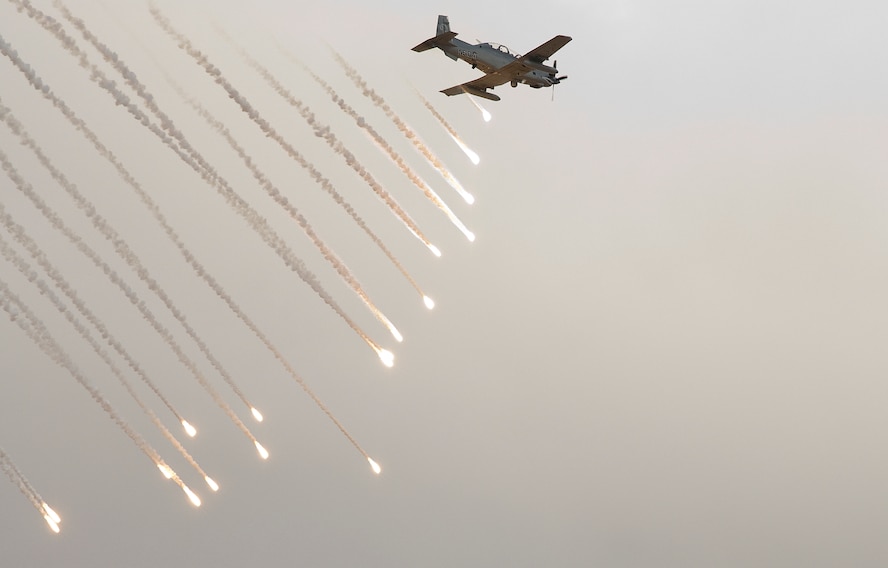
(666, 347)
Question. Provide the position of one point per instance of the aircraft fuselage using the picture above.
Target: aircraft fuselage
(489, 59)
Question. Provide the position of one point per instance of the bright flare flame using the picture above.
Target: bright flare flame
(256, 414)
(430, 303)
(473, 156)
(386, 356)
(484, 112)
(470, 235)
(263, 453)
(195, 500)
(52, 514)
(213, 485)
(435, 250)
(376, 469)
(395, 333)
(189, 429)
(52, 523)
(165, 470)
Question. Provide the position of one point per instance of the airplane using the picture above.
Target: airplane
(499, 64)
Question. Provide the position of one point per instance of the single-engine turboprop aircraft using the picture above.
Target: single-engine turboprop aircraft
(500, 65)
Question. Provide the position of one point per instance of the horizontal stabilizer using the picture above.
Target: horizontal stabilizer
(437, 41)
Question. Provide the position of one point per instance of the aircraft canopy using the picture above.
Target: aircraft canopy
(501, 47)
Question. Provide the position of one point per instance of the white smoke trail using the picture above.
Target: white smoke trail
(20, 481)
(15, 126)
(411, 135)
(383, 145)
(16, 477)
(192, 158)
(330, 256)
(164, 23)
(48, 293)
(36, 330)
(323, 131)
(189, 257)
(265, 182)
(17, 232)
(472, 155)
(120, 246)
(276, 194)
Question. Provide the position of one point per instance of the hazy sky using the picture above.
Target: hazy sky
(665, 348)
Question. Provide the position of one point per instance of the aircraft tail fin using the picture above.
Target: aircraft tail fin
(443, 35)
(439, 40)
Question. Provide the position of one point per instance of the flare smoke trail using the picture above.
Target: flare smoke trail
(155, 210)
(472, 155)
(402, 126)
(189, 156)
(340, 267)
(57, 223)
(275, 192)
(14, 475)
(392, 154)
(120, 246)
(15, 126)
(131, 79)
(323, 131)
(265, 182)
(47, 292)
(38, 333)
(296, 264)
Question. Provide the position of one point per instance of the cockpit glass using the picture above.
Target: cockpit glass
(502, 48)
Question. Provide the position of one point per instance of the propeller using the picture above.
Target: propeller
(556, 80)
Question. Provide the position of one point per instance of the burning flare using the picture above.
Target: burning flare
(165, 470)
(394, 331)
(52, 514)
(474, 157)
(52, 523)
(263, 453)
(430, 303)
(195, 500)
(485, 114)
(386, 356)
(256, 414)
(376, 469)
(189, 429)
(213, 485)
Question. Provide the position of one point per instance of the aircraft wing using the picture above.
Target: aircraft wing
(545, 51)
(478, 87)
(526, 63)
(502, 75)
